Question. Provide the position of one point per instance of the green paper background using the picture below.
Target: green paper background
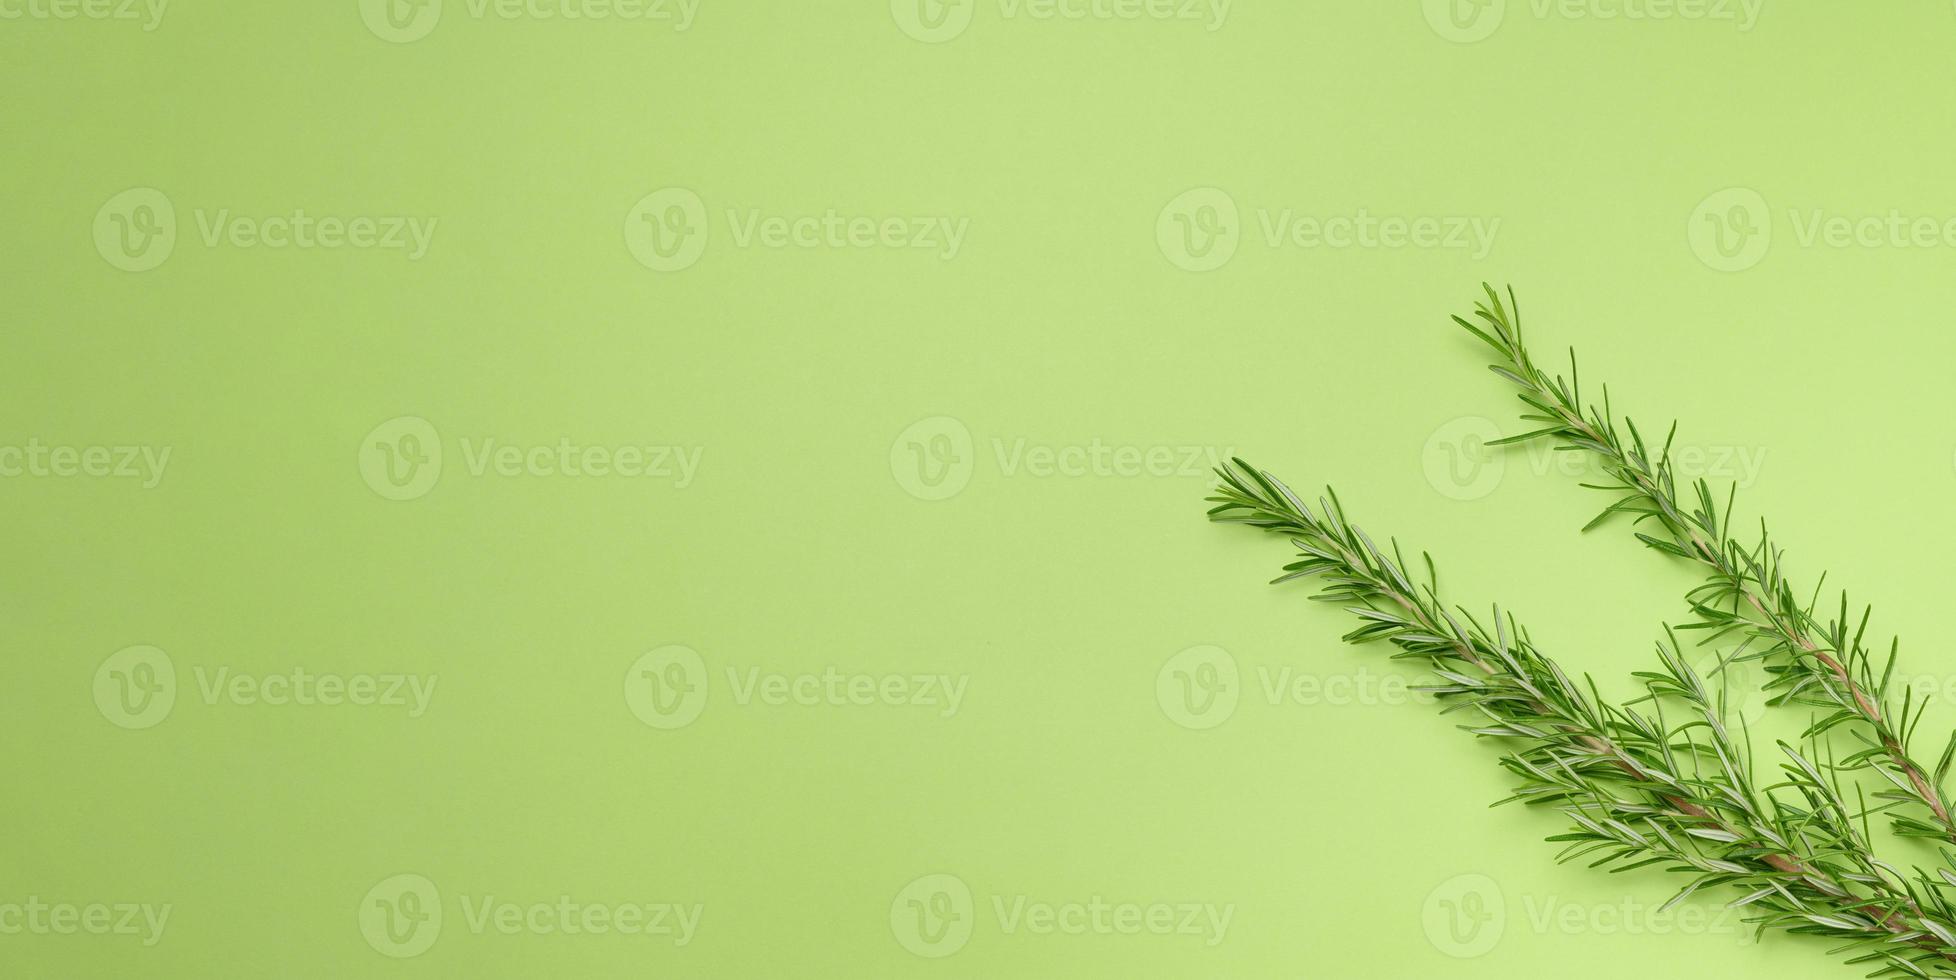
(1332, 827)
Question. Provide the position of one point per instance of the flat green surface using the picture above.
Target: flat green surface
(892, 655)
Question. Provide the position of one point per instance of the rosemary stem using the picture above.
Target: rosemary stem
(1705, 542)
(1806, 867)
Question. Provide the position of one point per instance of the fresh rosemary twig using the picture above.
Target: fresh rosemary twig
(1640, 790)
(1811, 662)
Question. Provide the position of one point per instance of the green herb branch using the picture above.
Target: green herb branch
(1809, 661)
(1640, 790)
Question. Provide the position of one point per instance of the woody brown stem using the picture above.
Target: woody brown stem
(1864, 705)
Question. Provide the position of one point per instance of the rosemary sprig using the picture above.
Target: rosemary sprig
(1809, 661)
(1640, 790)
